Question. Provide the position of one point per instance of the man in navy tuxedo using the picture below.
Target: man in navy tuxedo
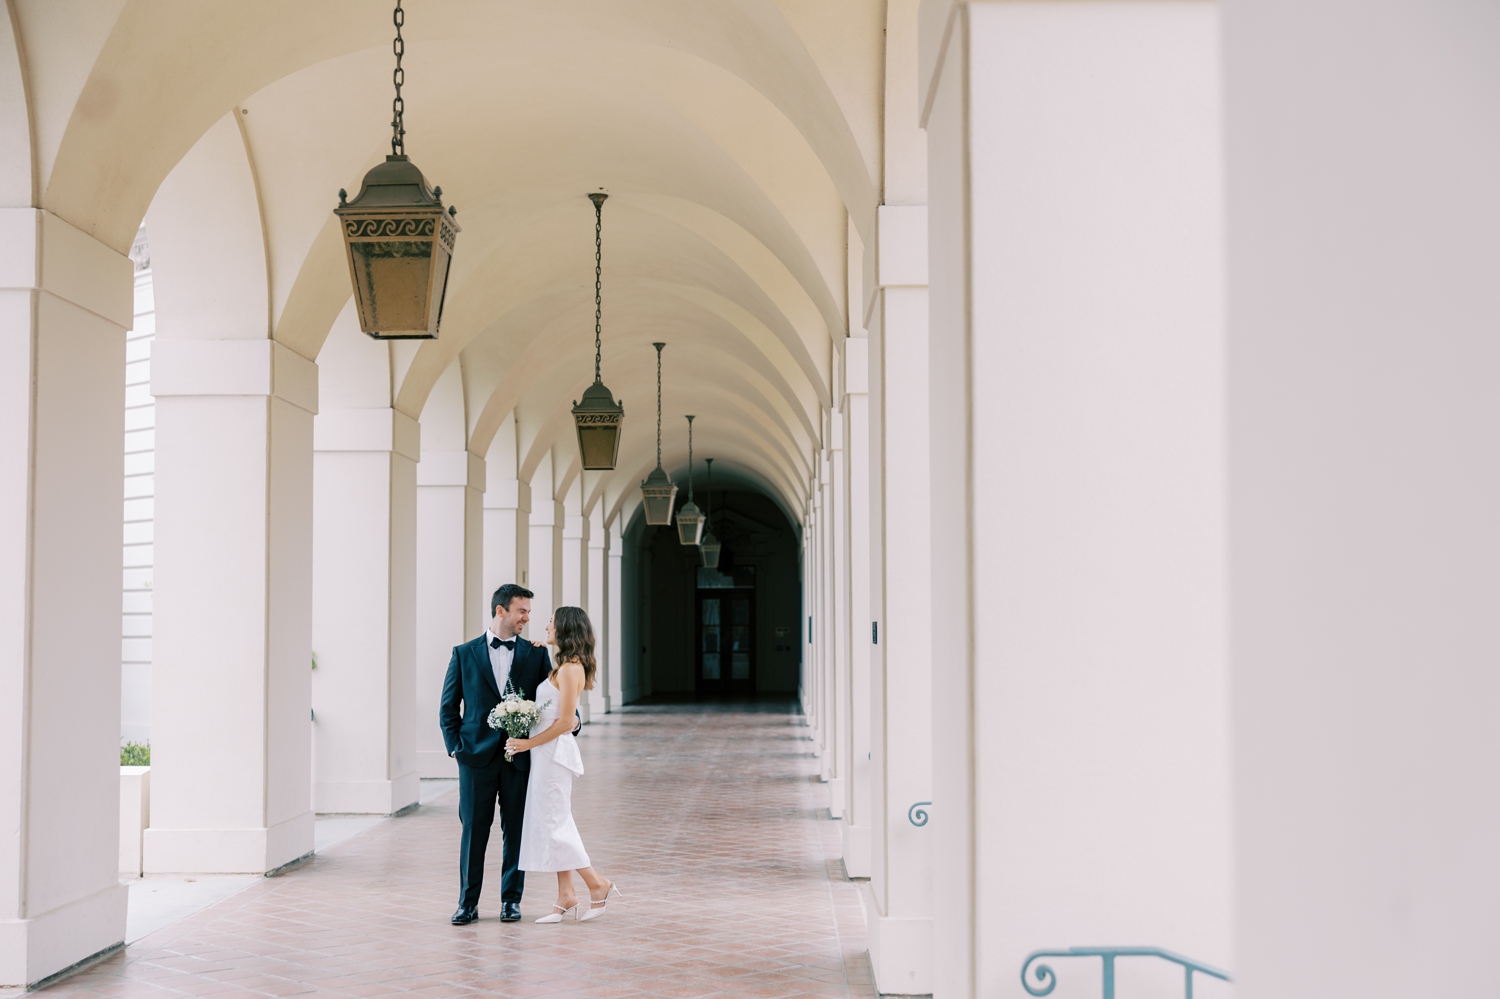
(478, 675)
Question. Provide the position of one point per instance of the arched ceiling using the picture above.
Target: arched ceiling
(737, 139)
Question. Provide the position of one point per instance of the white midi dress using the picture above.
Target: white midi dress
(549, 837)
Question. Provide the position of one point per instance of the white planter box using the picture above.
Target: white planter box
(135, 816)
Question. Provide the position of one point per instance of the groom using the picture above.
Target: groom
(477, 677)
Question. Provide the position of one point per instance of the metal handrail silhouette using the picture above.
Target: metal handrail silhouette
(1047, 979)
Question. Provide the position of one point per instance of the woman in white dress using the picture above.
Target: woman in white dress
(549, 837)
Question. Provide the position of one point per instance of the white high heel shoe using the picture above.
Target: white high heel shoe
(556, 916)
(597, 906)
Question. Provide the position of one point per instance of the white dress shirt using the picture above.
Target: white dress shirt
(500, 660)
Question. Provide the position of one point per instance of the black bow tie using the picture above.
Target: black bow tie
(495, 643)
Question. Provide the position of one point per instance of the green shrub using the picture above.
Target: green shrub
(135, 754)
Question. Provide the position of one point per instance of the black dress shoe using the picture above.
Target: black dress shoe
(465, 915)
(510, 912)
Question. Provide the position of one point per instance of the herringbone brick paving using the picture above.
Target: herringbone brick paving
(711, 821)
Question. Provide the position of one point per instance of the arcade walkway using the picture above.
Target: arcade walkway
(707, 818)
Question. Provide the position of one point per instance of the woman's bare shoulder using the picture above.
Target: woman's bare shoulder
(572, 669)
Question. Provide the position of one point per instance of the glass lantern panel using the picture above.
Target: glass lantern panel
(689, 529)
(659, 508)
(394, 283)
(598, 446)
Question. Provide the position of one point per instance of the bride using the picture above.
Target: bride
(549, 838)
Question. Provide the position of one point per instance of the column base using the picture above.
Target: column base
(836, 797)
(900, 951)
(856, 850)
(435, 763)
(371, 797)
(228, 851)
(33, 950)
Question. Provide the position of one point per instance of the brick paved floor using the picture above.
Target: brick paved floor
(711, 820)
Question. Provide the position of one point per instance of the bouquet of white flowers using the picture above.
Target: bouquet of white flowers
(515, 715)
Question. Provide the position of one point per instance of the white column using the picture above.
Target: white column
(1077, 474)
(231, 752)
(1363, 320)
(598, 605)
(859, 808)
(614, 598)
(899, 909)
(824, 627)
(547, 521)
(837, 586)
(574, 583)
(364, 610)
(451, 601)
(507, 519)
(65, 303)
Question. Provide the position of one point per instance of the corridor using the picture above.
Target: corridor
(711, 820)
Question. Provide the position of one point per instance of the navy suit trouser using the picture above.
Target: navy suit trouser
(479, 788)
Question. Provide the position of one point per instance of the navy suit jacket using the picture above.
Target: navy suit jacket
(469, 694)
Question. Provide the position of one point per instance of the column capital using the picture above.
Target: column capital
(376, 429)
(233, 367)
(42, 251)
(451, 468)
(508, 494)
(856, 366)
(900, 252)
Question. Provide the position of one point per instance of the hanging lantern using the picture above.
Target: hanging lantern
(657, 490)
(598, 416)
(398, 238)
(710, 546)
(690, 519)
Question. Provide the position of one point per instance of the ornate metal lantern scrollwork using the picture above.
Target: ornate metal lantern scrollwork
(657, 491)
(398, 237)
(597, 416)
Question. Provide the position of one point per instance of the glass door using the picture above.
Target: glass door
(726, 642)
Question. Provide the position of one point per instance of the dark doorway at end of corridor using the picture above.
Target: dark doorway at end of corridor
(694, 634)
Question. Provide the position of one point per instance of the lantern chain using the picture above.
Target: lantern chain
(398, 77)
(690, 459)
(598, 271)
(658, 347)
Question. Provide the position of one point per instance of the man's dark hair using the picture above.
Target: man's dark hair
(506, 594)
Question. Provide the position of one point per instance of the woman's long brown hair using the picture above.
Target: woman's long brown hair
(575, 641)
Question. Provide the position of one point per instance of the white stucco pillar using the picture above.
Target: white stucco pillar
(598, 606)
(231, 684)
(899, 895)
(804, 680)
(547, 521)
(507, 535)
(837, 587)
(574, 585)
(364, 610)
(507, 519)
(1077, 484)
(1365, 430)
(451, 601)
(822, 621)
(65, 303)
(614, 602)
(859, 804)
